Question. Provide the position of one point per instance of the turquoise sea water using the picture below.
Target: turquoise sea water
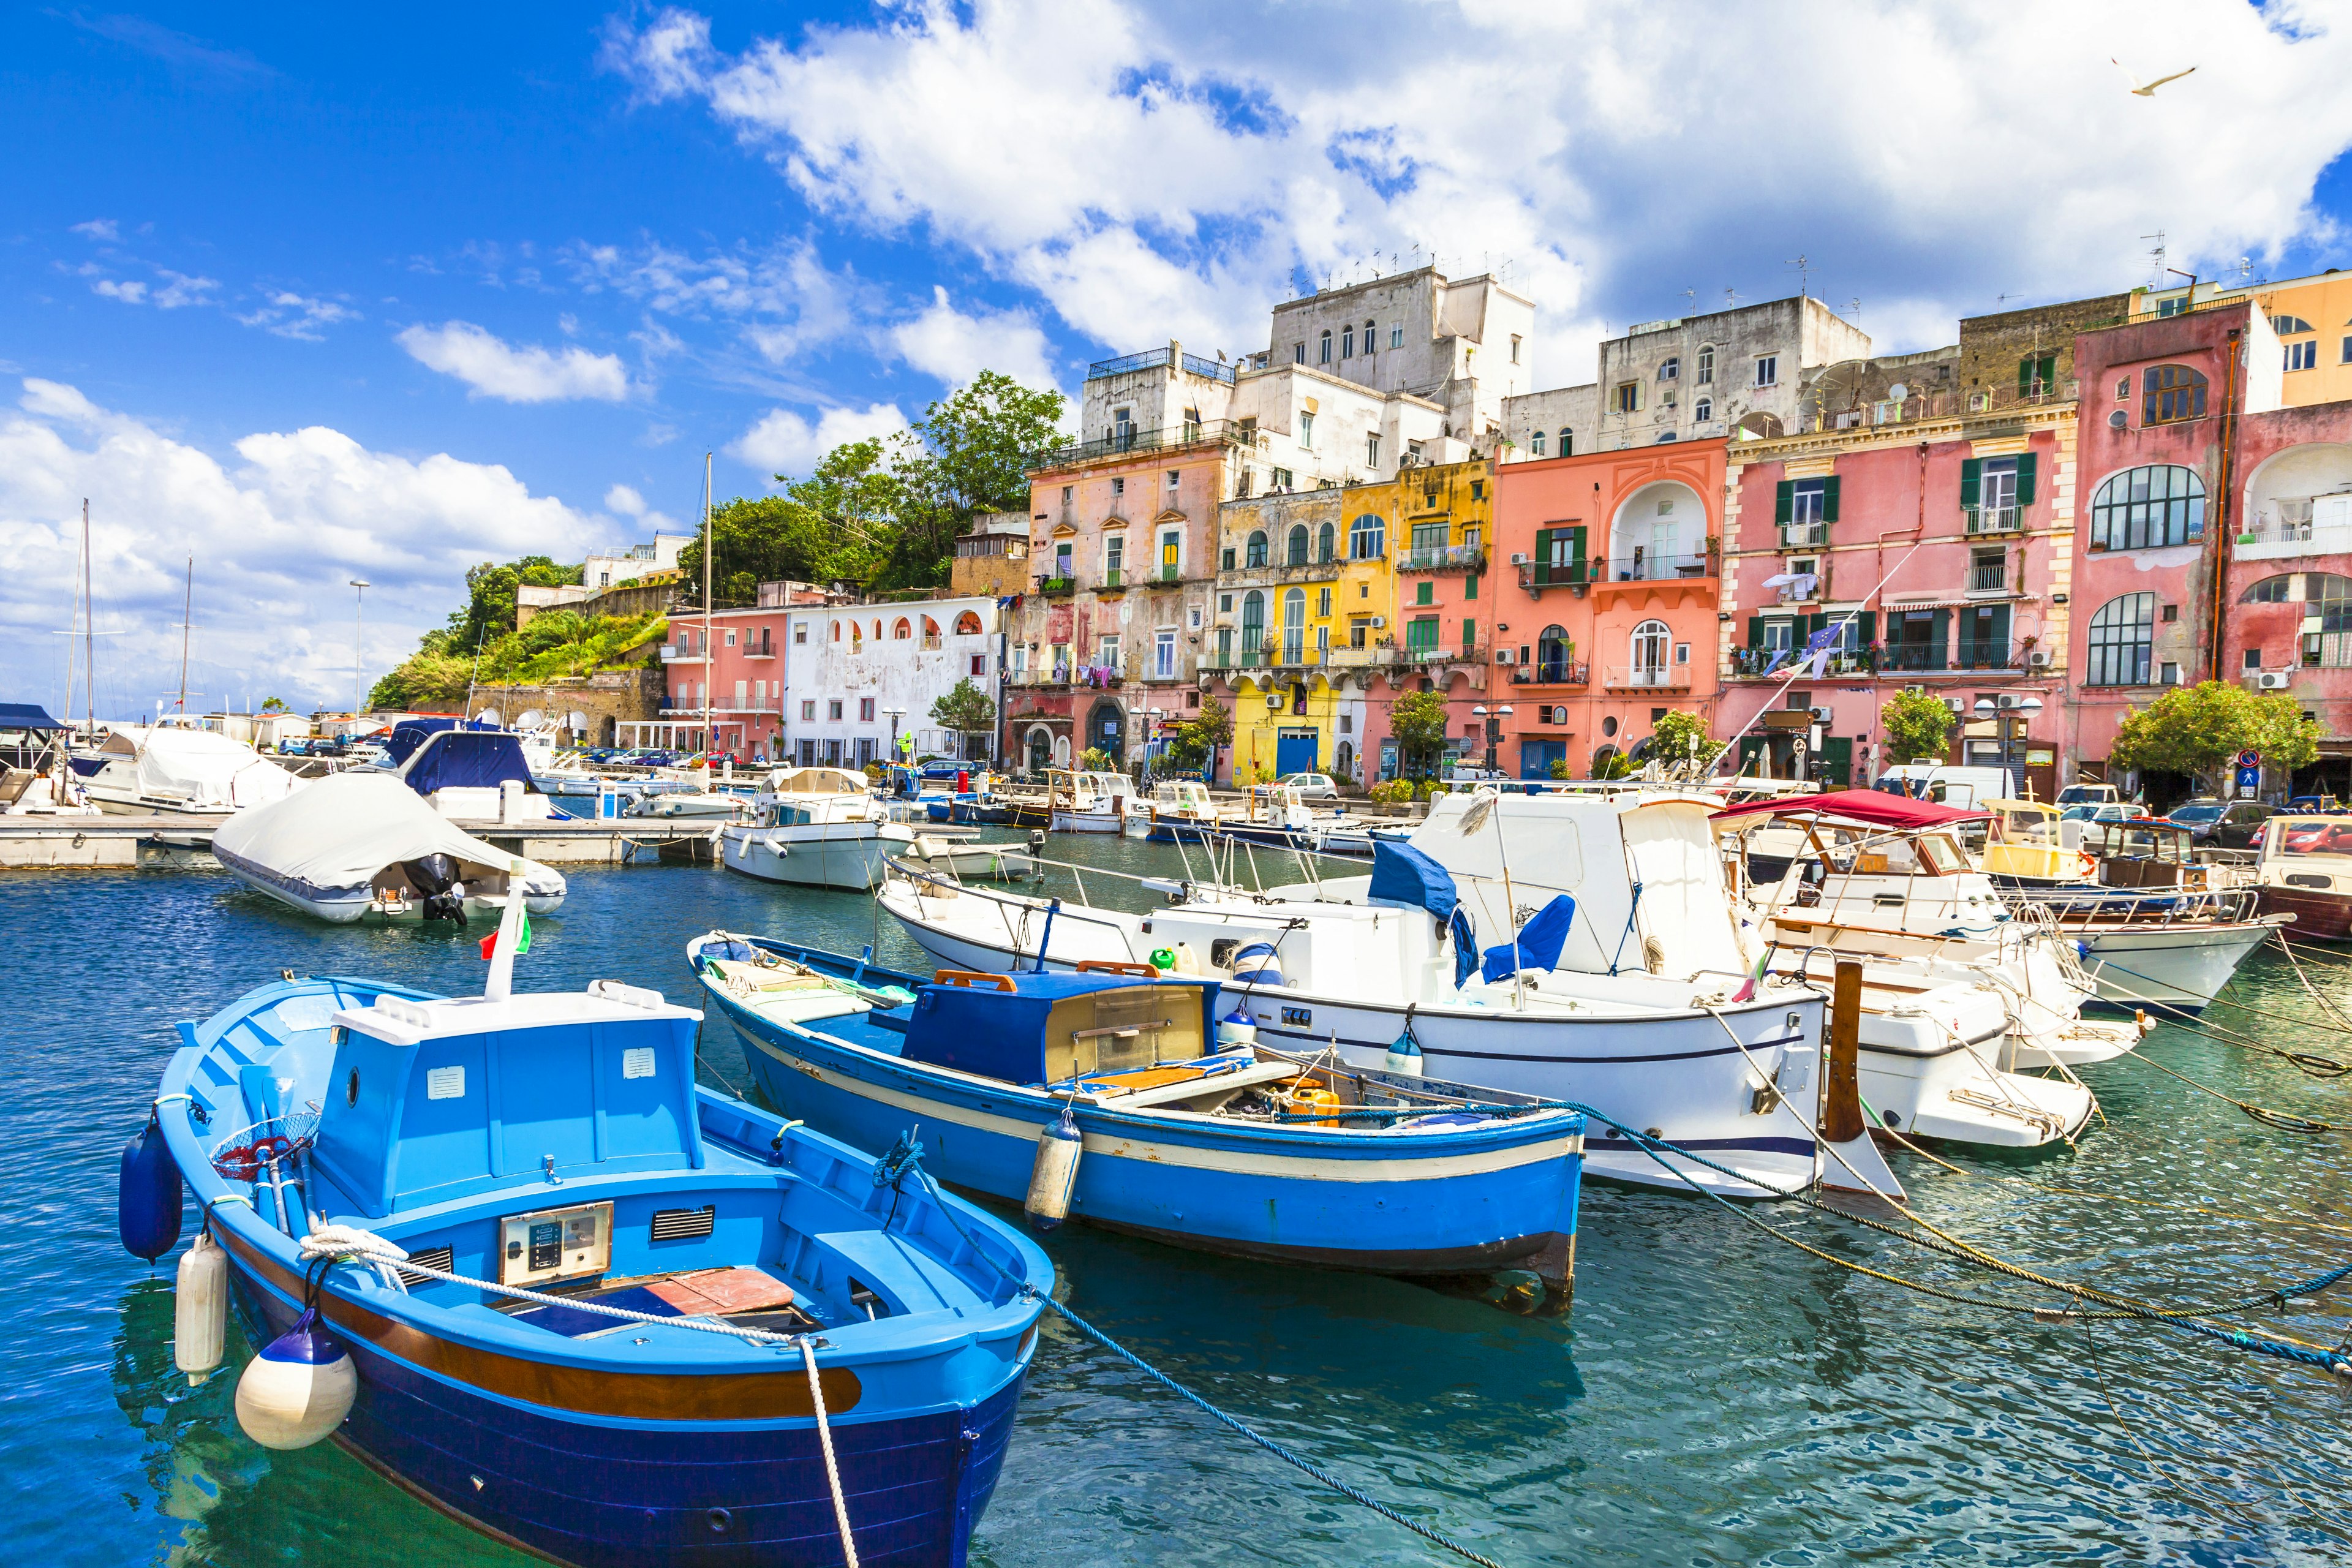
(1715, 1397)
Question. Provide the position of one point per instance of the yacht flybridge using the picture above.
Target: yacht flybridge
(1576, 948)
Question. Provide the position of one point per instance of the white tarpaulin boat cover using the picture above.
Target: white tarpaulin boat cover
(341, 830)
(207, 769)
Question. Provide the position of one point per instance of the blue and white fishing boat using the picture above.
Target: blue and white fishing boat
(1116, 1095)
(506, 1251)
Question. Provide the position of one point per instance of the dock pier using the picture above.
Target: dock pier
(118, 843)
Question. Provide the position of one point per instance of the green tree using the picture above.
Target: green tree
(831, 526)
(2199, 730)
(424, 679)
(1917, 727)
(1417, 719)
(1680, 742)
(1188, 748)
(968, 454)
(1615, 766)
(966, 710)
(274, 705)
(489, 608)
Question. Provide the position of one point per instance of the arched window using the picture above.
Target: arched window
(837, 631)
(1366, 537)
(1552, 649)
(2324, 596)
(2287, 326)
(2169, 394)
(1668, 436)
(1296, 555)
(1703, 410)
(2143, 508)
(1671, 370)
(2120, 634)
(1253, 626)
(1294, 627)
(1706, 364)
(1327, 541)
(1348, 343)
(1566, 442)
(930, 630)
(902, 631)
(967, 625)
(856, 636)
(1325, 358)
(1368, 337)
(1651, 645)
(1255, 555)
(1535, 444)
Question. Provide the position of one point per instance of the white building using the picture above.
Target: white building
(606, 569)
(855, 674)
(1728, 373)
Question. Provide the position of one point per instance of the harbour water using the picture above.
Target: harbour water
(1717, 1397)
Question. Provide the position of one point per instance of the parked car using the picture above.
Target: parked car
(2100, 811)
(1948, 784)
(2090, 795)
(2223, 825)
(1318, 786)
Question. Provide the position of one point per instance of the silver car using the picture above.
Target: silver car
(1312, 786)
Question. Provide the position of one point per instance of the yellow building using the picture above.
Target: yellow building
(2313, 318)
(1329, 599)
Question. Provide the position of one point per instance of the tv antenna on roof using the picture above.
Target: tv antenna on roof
(1854, 308)
(2156, 257)
(1730, 298)
(1804, 274)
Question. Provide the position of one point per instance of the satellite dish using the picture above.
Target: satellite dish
(1898, 391)
(2116, 420)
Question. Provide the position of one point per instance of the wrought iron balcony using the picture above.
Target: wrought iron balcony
(1442, 558)
(1994, 518)
(1648, 678)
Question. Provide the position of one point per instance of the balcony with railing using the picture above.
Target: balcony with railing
(1125, 441)
(1804, 535)
(1442, 558)
(1443, 653)
(1994, 518)
(1537, 575)
(2311, 525)
(678, 653)
(1057, 587)
(761, 649)
(1153, 359)
(1642, 567)
(1647, 678)
(1552, 672)
(2002, 655)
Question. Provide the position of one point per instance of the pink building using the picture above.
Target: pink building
(738, 672)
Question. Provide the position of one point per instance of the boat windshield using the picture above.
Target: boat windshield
(2144, 841)
(2304, 835)
(1893, 855)
(2026, 825)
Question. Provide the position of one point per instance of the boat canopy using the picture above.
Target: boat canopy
(410, 733)
(26, 716)
(207, 769)
(1870, 808)
(466, 759)
(341, 830)
(816, 781)
(1050, 1029)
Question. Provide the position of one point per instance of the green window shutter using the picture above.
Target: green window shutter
(1865, 627)
(1576, 554)
(1470, 585)
(1782, 500)
(2025, 376)
(1830, 498)
(1543, 554)
(2025, 479)
(1971, 480)
(1755, 631)
(1940, 641)
(1469, 635)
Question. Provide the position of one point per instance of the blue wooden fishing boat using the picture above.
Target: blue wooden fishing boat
(1117, 1095)
(569, 1296)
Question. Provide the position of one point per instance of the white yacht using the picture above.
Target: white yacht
(168, 769)
(1579, 949)
(816, 827)
(1087, 802)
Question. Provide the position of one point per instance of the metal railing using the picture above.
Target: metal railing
(1149, 359)
(1648, 678)
(1552, 672)
(1986, 656)
(1990, 577)
(1556, 573)
(1054, 587)
(1920, 657)
(1464, 653)
(1442, 558)
(1642, 567)
(1994, 518)
(1126, 438)
(1804, 535)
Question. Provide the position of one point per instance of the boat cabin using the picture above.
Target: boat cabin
(2312, 852)
(2026, 841)
(1186, 798)
(2145, 853)
(1053, 1028)
(799, 797)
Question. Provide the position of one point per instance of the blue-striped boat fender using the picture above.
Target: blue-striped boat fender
(1256, 964)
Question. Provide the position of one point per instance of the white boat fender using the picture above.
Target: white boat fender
(299, 1389)
(1404, 1055)
(1055, 1173)
(1236, 1028)
(200, 1309)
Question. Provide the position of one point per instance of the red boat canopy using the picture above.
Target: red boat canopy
(1875, 808)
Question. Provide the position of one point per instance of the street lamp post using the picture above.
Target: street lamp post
(2010, 722)
(359, 673)
(1492, 724)
(894, 714)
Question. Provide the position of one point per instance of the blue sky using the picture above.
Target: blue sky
(314, 296)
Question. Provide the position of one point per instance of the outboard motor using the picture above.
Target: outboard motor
(435, 876)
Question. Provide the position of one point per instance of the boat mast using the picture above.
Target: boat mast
(73, 625)
(88, 629)
(187, 611)
(710, 668)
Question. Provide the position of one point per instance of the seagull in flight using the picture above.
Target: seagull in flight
(2145, 89)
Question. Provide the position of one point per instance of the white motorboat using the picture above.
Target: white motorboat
(469, 772)
(1633, 1002)
(362, 846)
(168, 769)
(815, 827)
(1181, 811)
(36, 778)
(1087, 803)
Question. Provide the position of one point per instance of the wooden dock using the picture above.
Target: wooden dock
(117, 843)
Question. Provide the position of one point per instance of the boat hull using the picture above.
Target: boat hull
(1109, 821)
(1465, 1205)
(2178, 968)
(845, 855)
(2324, 916)
(1683, 1074)
(626, 1495)
(351, 906)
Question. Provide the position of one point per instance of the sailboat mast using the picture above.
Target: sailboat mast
(88, 629)
(710, 665)
(187, 613)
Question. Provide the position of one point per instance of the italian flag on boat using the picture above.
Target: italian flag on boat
(522, 942)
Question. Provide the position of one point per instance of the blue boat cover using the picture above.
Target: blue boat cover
(1001, 1034)
(411, 733)
(1403, 875)
(469, 758)
(1540, 943)
(25, 716)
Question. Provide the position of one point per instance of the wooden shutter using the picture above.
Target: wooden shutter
(1783, 501)
(1865, 627)
(1830, 498)
(2025, 376)
(1576, 554)
(2025, 479)
(1543, 556)
(1755, 631)
(1971, 480)
(1938, 643)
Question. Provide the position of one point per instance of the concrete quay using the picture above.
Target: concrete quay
(117, 843)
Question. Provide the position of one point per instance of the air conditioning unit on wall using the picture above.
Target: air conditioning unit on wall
(1379, 621)
(2271, 680)
(1502, 656)
(2038, 659)
(1955, 704)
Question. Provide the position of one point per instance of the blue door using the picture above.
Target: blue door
(1535, 757)
(1294, 752)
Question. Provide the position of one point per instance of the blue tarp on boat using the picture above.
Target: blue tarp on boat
(410, 733)
(469, 758)
(1403, 875)
(26, 716)
(1538, 942)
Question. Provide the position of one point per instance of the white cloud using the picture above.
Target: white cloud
(1148, 172)
(625, 501)
(103, 229)
(786, 299)
(494, 368)
(277, 534)
(945, 343)
(783, 442)
(177, 289)
(291, 315)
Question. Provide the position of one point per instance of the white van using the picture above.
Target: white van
(1947, 784)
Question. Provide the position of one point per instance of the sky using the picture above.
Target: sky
(315, 295)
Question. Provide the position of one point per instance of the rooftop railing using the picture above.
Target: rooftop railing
(1151, 359)
(1124, 439)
